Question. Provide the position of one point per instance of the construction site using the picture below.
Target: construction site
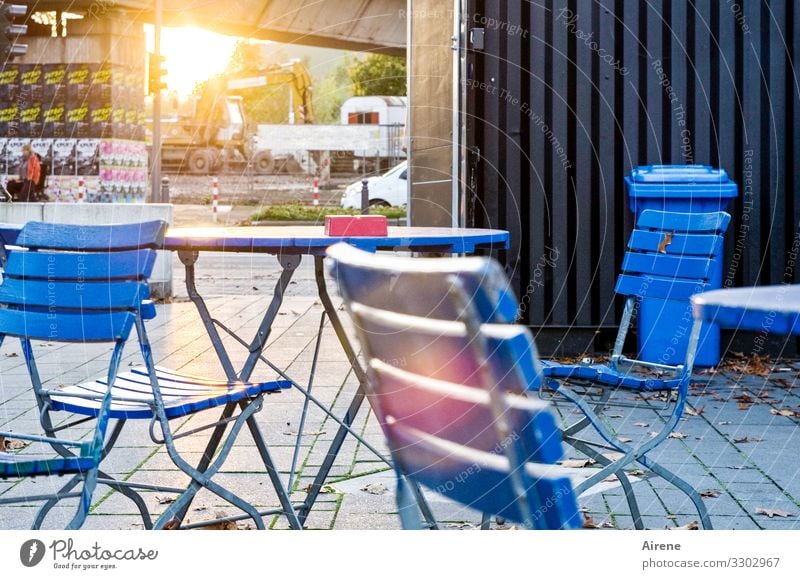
(82, 88)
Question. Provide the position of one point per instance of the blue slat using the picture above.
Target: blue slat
(488, 487)
(183, 395)
(136, 264)
(653, 287)
(698, 268)
(66, 327)
(679, 244)
(715, 222)
(40, 235)
(66, 295)
(16, 466)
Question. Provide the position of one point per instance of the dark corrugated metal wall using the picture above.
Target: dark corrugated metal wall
(565, 97)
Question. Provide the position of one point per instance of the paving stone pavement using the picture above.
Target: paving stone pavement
(735, 444)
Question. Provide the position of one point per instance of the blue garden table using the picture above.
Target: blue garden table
(290, 244)
(769, 309)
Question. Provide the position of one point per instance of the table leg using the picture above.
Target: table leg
(289, 264)
(188, 259)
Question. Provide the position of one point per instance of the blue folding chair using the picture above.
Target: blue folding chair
(449, 389)
(89, 284)
(670, 257)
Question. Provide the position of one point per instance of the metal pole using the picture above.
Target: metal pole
(155, 173)
(364, 197)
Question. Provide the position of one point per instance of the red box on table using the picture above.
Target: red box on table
(356, 226)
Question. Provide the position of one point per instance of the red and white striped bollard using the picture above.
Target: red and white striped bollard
(315, 192)
(215, 199)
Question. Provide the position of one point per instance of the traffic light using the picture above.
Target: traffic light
(155, 73)
(10, 32)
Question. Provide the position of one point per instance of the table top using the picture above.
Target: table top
(312, 240)
(774, 309)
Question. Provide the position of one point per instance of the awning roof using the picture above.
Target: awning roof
(365, 25)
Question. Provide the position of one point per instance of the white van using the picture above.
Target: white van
(391, 188)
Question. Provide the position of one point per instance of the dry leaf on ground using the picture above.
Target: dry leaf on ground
(678, 435)
(746, 439)
(641, 424)
(710, 493)
(375, 488)
(165, 500)
(577, 462)
(773, 512)
(693, 526)
(693, 412)
(784, 412)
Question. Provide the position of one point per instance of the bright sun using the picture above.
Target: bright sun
(192, 55)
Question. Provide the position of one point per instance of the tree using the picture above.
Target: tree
(379, 75)
(329, 94)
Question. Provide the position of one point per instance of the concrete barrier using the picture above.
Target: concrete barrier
(97, 214)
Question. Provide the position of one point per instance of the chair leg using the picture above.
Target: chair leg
(272, 471)
(45, 509)
(627, 488)
(407, 506)
(682, 486)
(424, 507)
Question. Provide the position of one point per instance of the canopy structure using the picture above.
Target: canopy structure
(363, 25)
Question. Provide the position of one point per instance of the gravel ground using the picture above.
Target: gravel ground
(255, 190)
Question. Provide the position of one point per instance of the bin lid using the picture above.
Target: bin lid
(654, 174)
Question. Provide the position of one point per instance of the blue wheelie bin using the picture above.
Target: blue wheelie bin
(682, 189)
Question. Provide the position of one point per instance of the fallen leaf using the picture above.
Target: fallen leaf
(612, 456)
(375, 488)
(13, 444)
(637, 472)
(165, 500)
(461, 525)
(773, 512)
(745, 440)
(577, 462)
(325, 490)
(678, 435)
(724, 423)
(12, 355)
(665, 241)
(693, 412)
(615, 416)
(710, 493)
(742, 406)
(641, 424)
(624, 439)
(506, 528)
(783, 412)
(693, 526)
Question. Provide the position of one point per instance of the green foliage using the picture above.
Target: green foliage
(331, 92)
(298, 212)
(379, 75)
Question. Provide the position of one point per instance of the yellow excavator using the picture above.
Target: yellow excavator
(216, 137)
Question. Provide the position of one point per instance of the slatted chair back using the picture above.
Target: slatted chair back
(671, 256)
(74, 283)
(449, 390)
(77, 283)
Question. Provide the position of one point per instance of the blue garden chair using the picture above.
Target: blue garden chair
(670, 257)
(89, 284)
(449, 390)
